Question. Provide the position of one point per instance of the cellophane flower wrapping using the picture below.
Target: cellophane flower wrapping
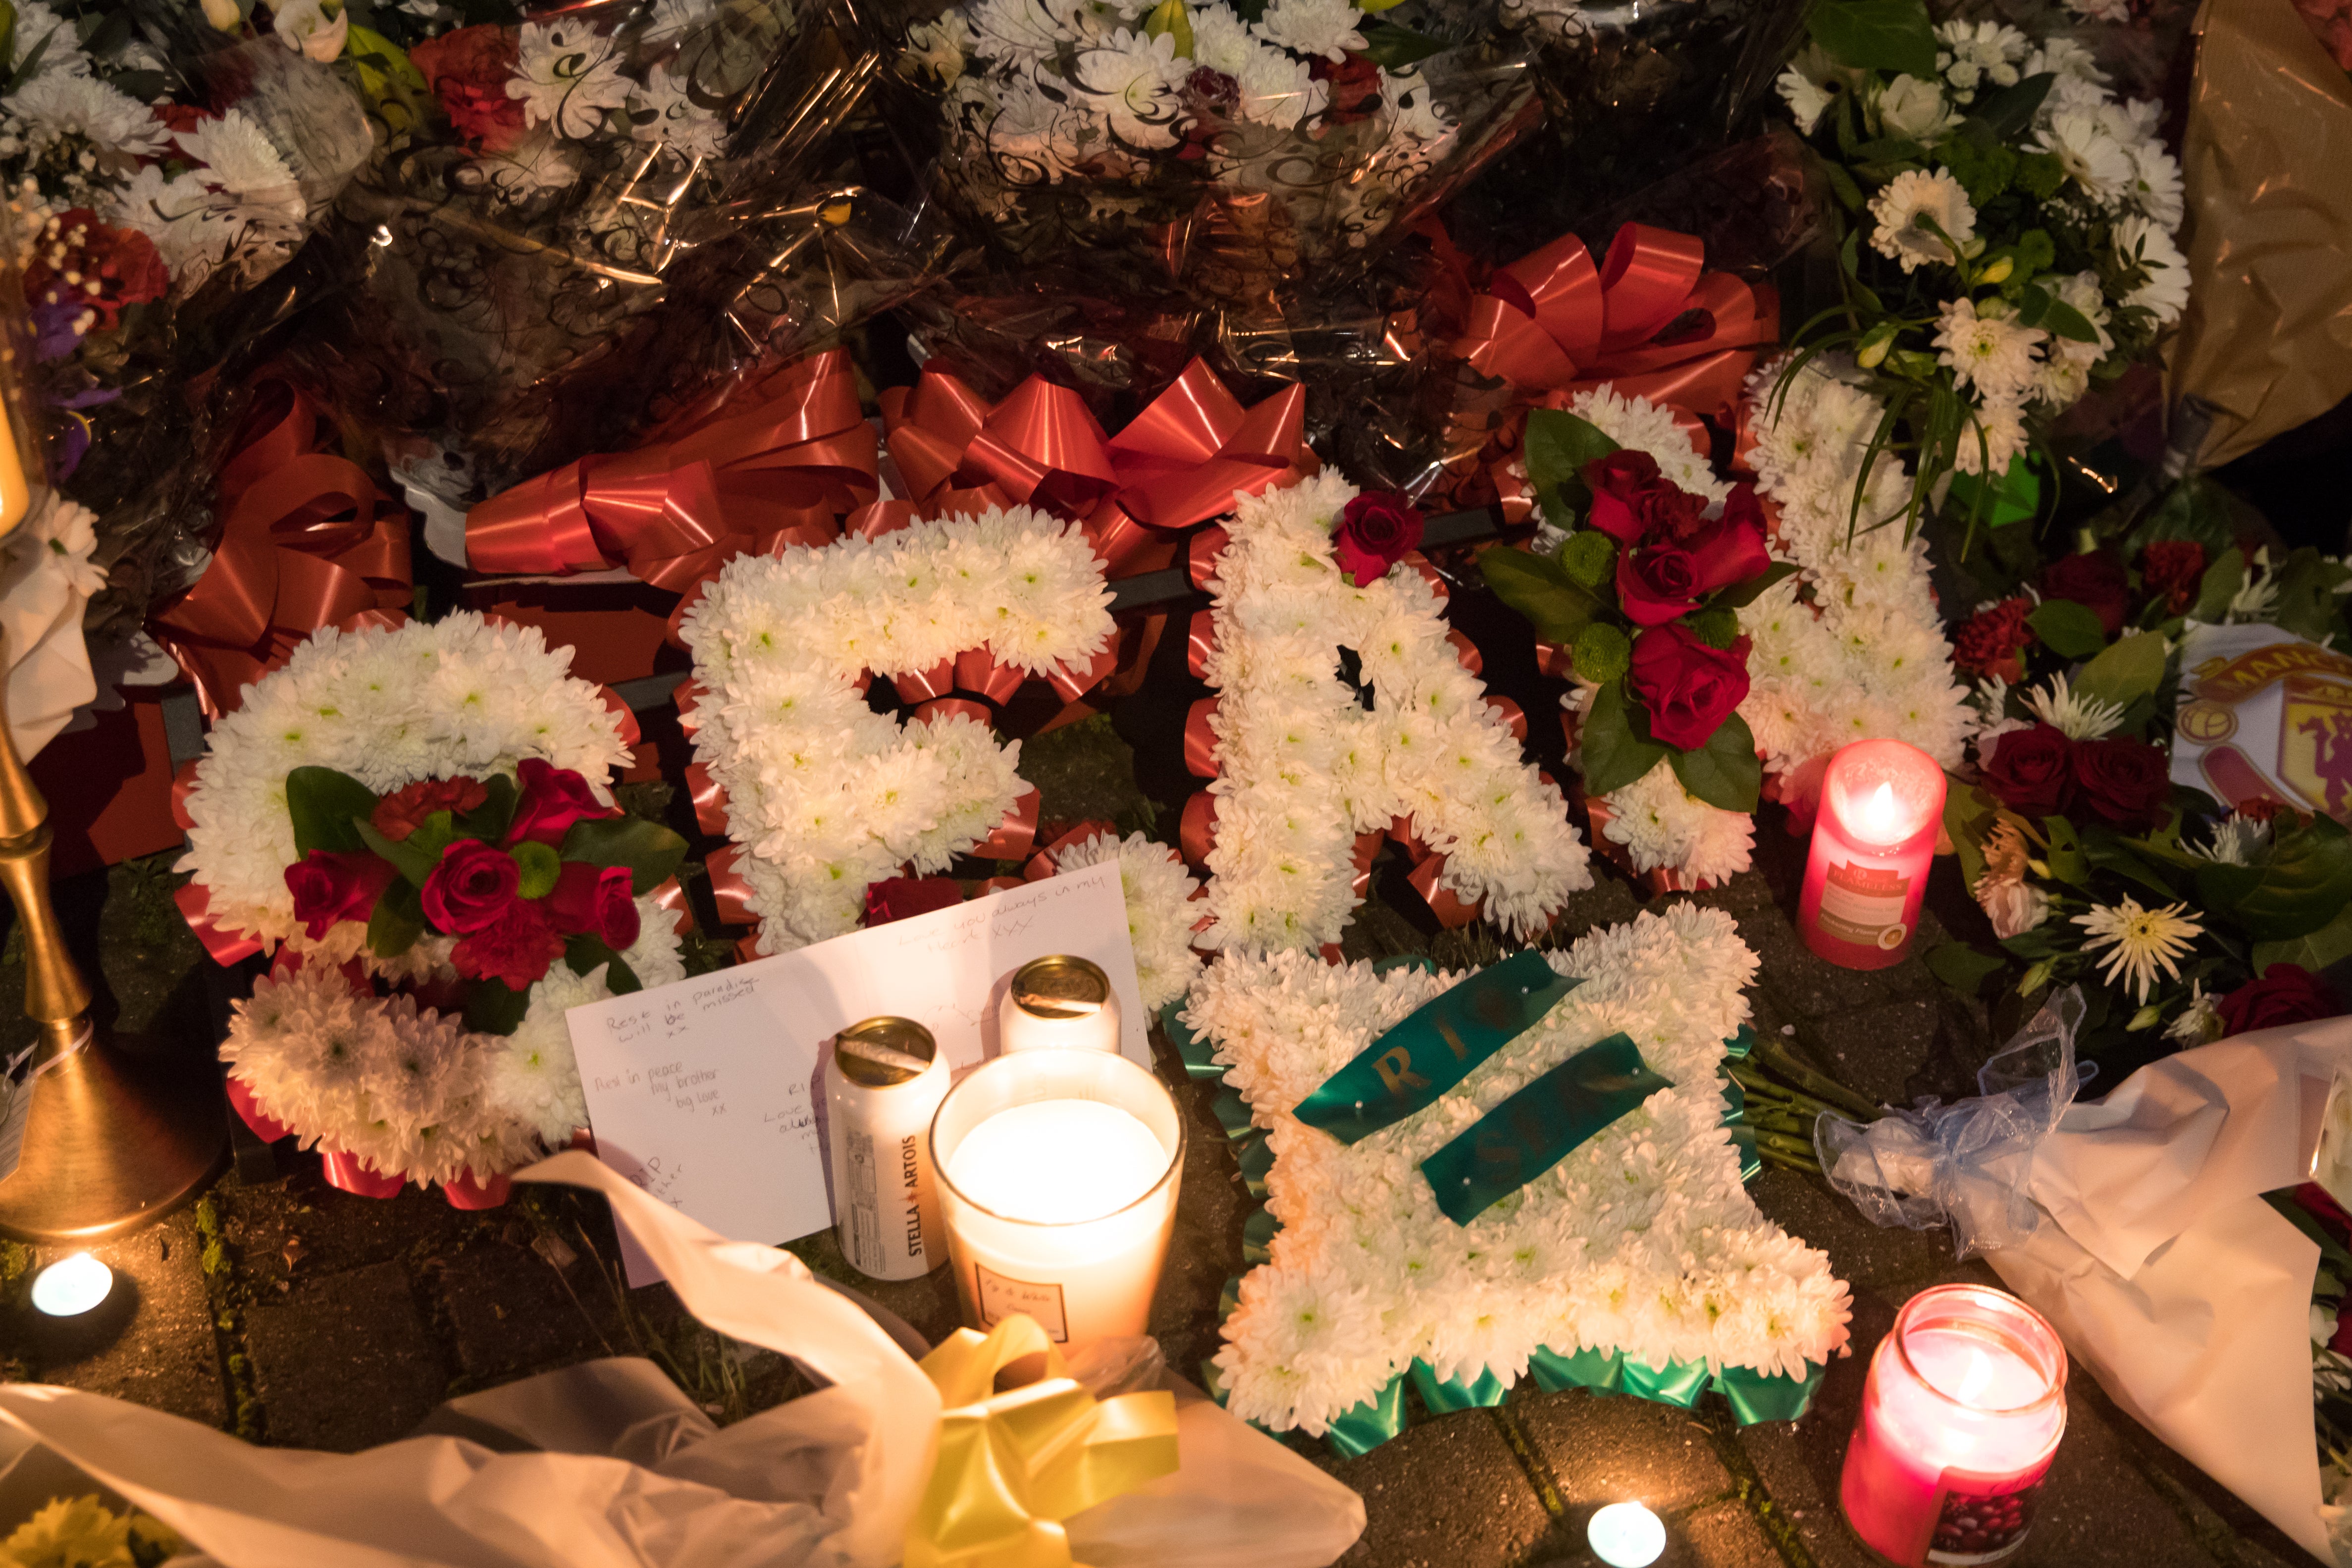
(160, 174)
(584, 224)
(1154, 181)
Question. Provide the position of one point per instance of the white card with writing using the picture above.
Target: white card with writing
(705, 1092)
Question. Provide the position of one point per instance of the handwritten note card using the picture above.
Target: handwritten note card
(702, 1093)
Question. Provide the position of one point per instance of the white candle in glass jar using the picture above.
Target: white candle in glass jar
(1059, 1003)
(1059, 1171)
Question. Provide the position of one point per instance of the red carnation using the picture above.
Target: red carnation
(2286, 994)
(403, 811)
(1687, 688)
(329, 887)
(1375, 531)
(552, 799)
(1994, 642)
(2123, 780)
(2172, 569)
(2031, 772)
(469, 68)
(473, 887)
(515, 948)
(896, 898)
(2094, 580)
(80, 264)
(594, 899)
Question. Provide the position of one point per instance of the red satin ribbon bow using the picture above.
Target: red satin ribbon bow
(779, 464)
(306, 542)
(1179, 462)
(1550, 323)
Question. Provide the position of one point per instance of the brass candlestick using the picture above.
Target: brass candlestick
(112, 1142)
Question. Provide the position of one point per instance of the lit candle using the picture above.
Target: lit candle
(1058, 1173)
(1626, 1535)
(1961, 1412)
(72, 1286)
(1059, 1003)
(1873, 839)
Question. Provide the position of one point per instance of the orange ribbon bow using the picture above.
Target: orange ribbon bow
(1178, 463)
(780, 463)
(306, 542)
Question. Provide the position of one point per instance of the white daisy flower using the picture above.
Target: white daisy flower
(2143, 940)
(1911, 208)
(1807, 98)
(1988, 349)
(1132, 82)
(2142, 243)
(1325, 27)
(2091, 156)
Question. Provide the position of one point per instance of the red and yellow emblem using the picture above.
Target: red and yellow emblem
(2315, 741)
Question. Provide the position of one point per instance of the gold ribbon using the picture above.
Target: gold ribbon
(1014, 1466)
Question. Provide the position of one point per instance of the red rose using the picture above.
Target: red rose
(2286, 994)
(552, 799)
(596, 900)
(80, 264)
(896, 898)
(515, 948)
(2172, 569)
(329, 887)
(1375, 531)
(473, 887)
(1993, 641)
(1687, 688)
(2031, 772)
(1664, 577)
(469, 68)
(1632, 501)
(2094, 579)
(1355, 84)
(2127, 782)
(403, 811)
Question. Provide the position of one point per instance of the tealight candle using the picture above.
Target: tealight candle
(1058, 1172)
(1873, 839)
(72, 1286)
(1626, 1535)
(1961, 1413)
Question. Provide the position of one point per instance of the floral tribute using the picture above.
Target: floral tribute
(417, 819)
(1719, 632)
(1641, 1243)
(1343, 713)
(824, 796)
(2008, 226)
(2184, 918)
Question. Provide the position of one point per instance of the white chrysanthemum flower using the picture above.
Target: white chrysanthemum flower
(1911, 209)
(2200, 1022)
(1661, 825)
(58, 538)
(1019, 33)
(1325, 27)
(2236, 840)
(2090, 155)
(1910, 106)
(2143, 940)
(2257, 597)
(2076, 715)
(2067, 59)
(1807, 99)
(237, 154)
(1276, 89)
(1642, 425)
(40, 27)
(64, 103)
(568, 77)
(197, 229)
(1980, 53)
(2143, 243)
(1991, 353)
(1160, 910)
(1132, 82)
(664, 110)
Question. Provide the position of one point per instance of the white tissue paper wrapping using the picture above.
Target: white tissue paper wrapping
(2136, 1227)
(609, 1466)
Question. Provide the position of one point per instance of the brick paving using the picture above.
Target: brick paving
(296, 1314)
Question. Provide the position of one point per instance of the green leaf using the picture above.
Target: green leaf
(492, 1007)
(1393, 48)
(649, 850)
(2068, 323)
(2125, 671)
(2301, 888)
(2112, 852)
(1724, 773)
(2307, 595)
(2220, 585)
(584, 952)
(1555, 603)
(2064, 857)
(2010, 112)
(2314, 950)
(1876, 35)
(2070, 630)
(2194, 509)
(1741, 593)
(1962, 967)
(396, 921)
(1558, 445)
(490, 821)
(1615, 753)
(540, 865)
(323, 803)
(408, 856)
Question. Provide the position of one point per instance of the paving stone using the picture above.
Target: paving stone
(2096, 1507)
(1895, 1052)
(507, 1312)
(1724, 1536)
(1447, 1493)
(1605, 1449)
(1860, 1253)
(301, 1227)
(343, 1362)
(152, 1341)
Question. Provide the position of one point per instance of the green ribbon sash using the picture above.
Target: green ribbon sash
(1537, 1128)
(1407, 1069)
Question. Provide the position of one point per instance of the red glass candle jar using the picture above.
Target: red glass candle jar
(1873, 839)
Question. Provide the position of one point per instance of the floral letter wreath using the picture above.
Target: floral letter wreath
(1304, 769)
(393, 1087)
(1641, 1240)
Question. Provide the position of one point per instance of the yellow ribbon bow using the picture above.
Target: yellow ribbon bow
(1014, 1466)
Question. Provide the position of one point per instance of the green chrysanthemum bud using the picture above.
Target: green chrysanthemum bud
(1716, 627)
(1601, 653)
(1591, 557)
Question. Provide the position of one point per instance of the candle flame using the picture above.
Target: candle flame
(1979, 1377)
(1882, 819)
